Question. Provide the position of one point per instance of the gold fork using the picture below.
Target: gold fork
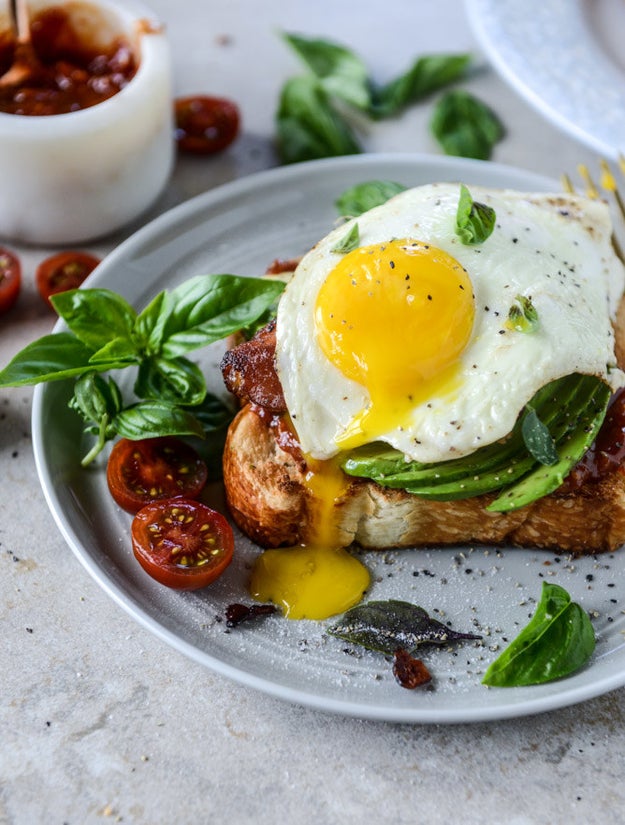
(607, 185)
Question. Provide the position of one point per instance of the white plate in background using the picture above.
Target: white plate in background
(241, 228)
(565, 57)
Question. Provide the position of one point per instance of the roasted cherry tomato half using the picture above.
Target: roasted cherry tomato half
(139, 472)
(182, 543)
(205, 125)
(62, 271)
(10, 279)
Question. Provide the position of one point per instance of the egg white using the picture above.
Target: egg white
(555, 248)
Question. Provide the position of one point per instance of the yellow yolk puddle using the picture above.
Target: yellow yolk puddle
(309, 582)
(320, 579)
(394, 317)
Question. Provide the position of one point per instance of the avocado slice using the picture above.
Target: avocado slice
(571, 408)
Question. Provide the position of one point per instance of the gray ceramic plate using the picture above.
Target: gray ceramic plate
(240, 228)
(565, 57)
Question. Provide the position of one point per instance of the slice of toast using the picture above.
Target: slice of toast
(271, 502)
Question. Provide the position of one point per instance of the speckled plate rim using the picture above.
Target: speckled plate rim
(67, 498)
(547, 52)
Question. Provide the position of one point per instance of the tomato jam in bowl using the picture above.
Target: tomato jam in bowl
(86, 132)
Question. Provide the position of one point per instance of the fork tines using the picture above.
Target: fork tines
(607, 184)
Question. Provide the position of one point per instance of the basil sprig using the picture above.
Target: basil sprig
(558, 641)
(474, 221)
(317, 111)
(106, 333)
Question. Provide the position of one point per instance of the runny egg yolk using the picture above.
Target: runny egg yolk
(394, 317)
(319, 579)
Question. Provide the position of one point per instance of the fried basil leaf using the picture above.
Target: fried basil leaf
(386, 626)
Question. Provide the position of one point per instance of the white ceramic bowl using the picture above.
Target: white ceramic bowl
(74, 177)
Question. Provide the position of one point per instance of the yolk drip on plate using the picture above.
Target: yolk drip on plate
(321, 578)
(394, 317)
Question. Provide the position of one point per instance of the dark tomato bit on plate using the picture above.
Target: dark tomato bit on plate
(139, 472)
(182, 543)
(10, 279)
(205, 125)
(63, 271)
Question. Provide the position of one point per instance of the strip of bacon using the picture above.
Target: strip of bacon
(249, 371)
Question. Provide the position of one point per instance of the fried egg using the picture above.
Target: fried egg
(406, 338)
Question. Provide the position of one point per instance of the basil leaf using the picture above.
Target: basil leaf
(364, 196)
(427, 74)
(208, 308)
(538, 439)
(175, 381)
(342, 73)
(55, 356)
(213, 413)
(386, 626)
(94, 398)
(465, 126)
(97, 403)
(474, 221)
(307, 125)
(522, 315)
(95, 316)
(151, 419)
(350, 242)
(148, 327)
(120, 351)
(558, 640)
(215, 416)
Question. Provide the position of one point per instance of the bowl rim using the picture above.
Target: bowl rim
(154, 57)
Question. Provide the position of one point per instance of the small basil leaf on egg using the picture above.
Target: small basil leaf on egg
(386, 626)
(538, 439)
(474, 221)
(522, 315)
(350, 242)
(364, 196)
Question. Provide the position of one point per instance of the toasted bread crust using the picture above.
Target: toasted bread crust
(270, 501)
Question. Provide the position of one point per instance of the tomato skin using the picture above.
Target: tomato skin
(151, 469)
(63, 271)
(205, 125)
(10, 279)
(182, 543)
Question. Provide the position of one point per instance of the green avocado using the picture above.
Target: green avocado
(565, 416)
